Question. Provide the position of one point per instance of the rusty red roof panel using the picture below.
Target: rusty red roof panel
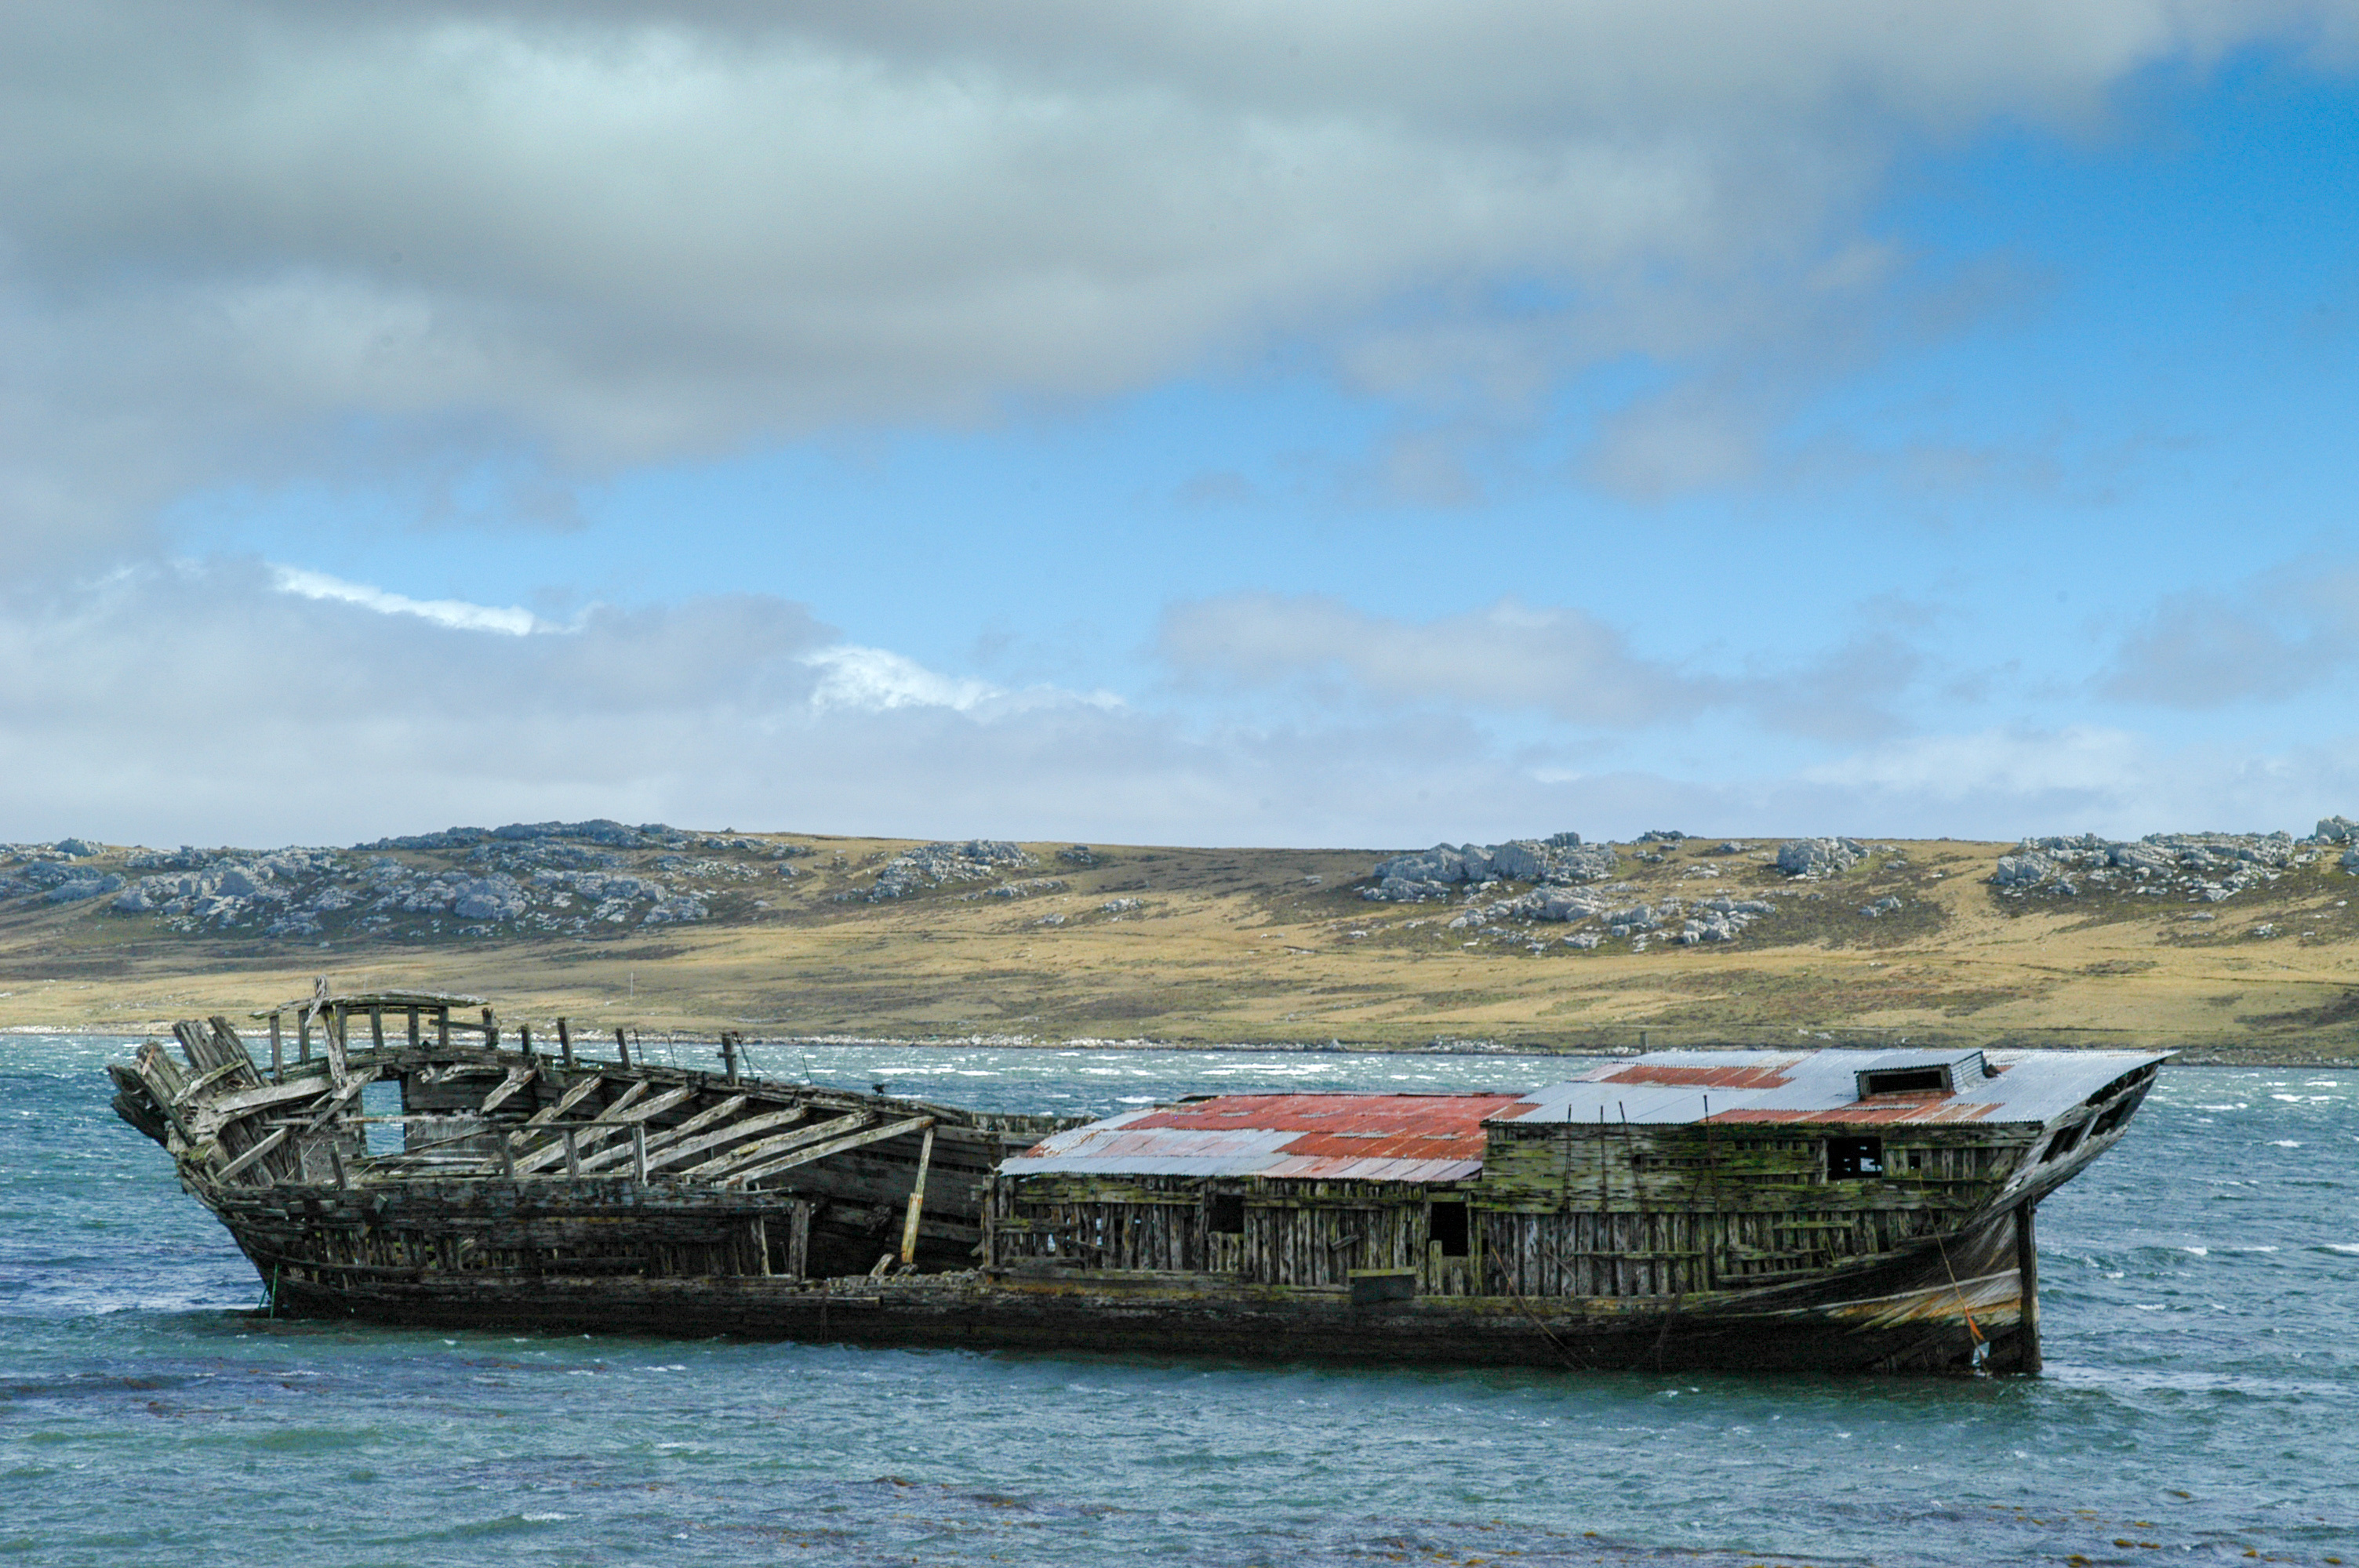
(1917, 1111)
(1313, 1136)
(1771, 1076)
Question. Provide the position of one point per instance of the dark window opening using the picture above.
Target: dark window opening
(1448, 1227)
(1905, 1081)
(1848, 1158)
(2115, 1117)
(2064, 1143)
(1227, 1216)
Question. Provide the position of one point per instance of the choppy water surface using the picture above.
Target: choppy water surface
(2202, 1393)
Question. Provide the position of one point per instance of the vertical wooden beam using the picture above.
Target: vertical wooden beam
(336, 1035)
(377, 1026)
(622, 1048)
(303, 1036)
(2027, 1269)
(491, 1031)
(278, 1053)
(798, 1240)
(413, 1029)
(524, 1038)
(917, 1197)
(761, 1240)
(564, 1043)
(639, 1155)
(573, 1154)
(442, 1028)
(729, 1054)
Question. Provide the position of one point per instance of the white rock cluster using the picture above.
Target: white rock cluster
(2206, 868)
(1710, 920)
(1817, 858)
(1560, 860)
(931, 865)
(47, 872)
(1721, 919)
(1030, 887)
(534, 877)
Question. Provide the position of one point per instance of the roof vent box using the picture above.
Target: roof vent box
(1900, 1073)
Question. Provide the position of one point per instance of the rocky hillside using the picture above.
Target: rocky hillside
(2224, 943)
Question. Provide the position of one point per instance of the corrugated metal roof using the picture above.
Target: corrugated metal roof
(1671, 1087)
(1441, 1138)
(1316, 1137)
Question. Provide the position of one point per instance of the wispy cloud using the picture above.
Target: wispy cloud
(456, 613)
(2272, 636)
(1557, 660)
(873, 680)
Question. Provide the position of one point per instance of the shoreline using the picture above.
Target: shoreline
(2187, 1056)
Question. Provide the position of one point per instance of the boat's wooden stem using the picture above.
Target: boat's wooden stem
(2027, 1269)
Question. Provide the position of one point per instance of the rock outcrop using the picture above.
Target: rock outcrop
(1560, 860)
(1816, 857)
(932, 865)
(2206, 868)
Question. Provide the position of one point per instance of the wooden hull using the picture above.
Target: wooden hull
(1952, 1307)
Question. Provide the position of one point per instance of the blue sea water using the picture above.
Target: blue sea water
(2202, 1401)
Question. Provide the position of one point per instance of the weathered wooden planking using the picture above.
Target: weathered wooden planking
(821, 1151)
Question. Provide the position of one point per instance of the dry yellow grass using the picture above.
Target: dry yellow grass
(1254, 945)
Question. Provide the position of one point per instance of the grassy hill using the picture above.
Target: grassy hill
(781, 935)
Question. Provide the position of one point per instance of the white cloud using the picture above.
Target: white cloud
(246, 238)
(873, 680)
(455, 613)
(203, 704)
(1509, 656)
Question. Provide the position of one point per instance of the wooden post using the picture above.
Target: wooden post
(761, 1240)
(524, 1038)
(303, 1036)
(442, 1028)
(639, 1154)
(622, 1048)
(798, 1240)
(507, 1157)
(336, 1062)
(491, 1031)
(917, 1197)
(2027, 1271)
(564, 1043)
(336, 1163)
(573, 1154)
(377, 1026)
(413, 1029)
(729, 1054)
(278, 1055)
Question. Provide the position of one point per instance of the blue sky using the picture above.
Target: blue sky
(1197, 428)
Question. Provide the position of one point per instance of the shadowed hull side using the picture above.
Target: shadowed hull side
(1952, 1307)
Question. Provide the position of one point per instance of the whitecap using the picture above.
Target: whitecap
(2346, 1247)
(2283, 1143)
(2199, 1252)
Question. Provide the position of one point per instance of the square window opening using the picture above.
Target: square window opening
(1905, 1081)
(1225, 1215)
(1849, 1159)
(1448, 1227)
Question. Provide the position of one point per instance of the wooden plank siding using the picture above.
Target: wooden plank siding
(1558, 1210)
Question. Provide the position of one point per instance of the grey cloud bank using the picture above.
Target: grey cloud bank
(202, 704)
(238, 234)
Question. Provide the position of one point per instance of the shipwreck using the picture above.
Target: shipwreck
(1748, 1210)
